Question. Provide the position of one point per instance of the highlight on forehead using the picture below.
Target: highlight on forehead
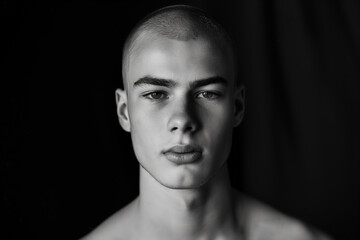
(179, 22)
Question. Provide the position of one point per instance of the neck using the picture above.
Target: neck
(206, 212)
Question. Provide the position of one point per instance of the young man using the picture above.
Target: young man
(180, 102)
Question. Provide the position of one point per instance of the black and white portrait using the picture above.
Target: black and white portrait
(180, 120)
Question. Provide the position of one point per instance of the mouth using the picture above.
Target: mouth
(182, 154)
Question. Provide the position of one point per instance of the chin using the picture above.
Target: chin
(184, 181)
(182, 186)
(190, 178)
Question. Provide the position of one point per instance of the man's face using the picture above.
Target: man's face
(180, 106)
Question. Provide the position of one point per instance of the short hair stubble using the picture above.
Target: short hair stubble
(178, 22)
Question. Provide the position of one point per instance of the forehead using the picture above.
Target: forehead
(179, 60)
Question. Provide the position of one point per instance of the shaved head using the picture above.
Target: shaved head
(178, 22)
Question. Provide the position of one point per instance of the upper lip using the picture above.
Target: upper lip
(183, 149)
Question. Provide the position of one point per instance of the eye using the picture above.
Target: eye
(208, 95)
(157, 95)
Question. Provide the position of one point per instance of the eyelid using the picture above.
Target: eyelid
(165, 95)
(148, 94)
(216, 93)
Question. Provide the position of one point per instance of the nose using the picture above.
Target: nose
(183, 119)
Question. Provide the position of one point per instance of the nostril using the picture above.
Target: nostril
(181, 123)
(188, 128)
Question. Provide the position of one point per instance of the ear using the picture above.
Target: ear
(122, 109)
(239, 105)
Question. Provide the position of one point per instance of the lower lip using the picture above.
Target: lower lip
(182, 158)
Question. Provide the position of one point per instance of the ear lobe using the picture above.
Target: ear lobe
(239, 105)
(122, 109)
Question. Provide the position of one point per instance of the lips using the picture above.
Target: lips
(181, 154)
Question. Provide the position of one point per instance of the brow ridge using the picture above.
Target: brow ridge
(207, 81)
(148, 80)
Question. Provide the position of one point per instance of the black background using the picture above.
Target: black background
(67, 165)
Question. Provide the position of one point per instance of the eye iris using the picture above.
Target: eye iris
(207, 94)
(156, 95)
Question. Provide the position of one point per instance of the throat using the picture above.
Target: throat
(188, 213)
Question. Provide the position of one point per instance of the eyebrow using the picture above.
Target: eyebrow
(208, 81)
(148, 80)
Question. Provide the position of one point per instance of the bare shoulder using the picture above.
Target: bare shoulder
(119, 226)
(261, 221)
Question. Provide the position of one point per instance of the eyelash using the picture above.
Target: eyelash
(149, 95)
(163, 95)
(215, 95)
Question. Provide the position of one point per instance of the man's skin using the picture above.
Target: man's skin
(183, 94)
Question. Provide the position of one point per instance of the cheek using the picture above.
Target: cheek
(145, 130)
(144, 140)
(145, 120)
(218, 117)
(219, 126)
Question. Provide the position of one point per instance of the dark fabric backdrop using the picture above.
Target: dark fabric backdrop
(66, 164)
